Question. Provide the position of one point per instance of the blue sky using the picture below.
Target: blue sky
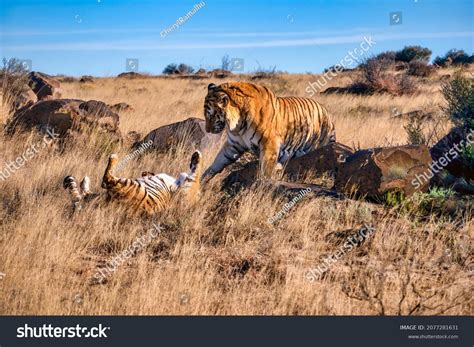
(95, 37)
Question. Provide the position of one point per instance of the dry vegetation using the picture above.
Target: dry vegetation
(221, 256)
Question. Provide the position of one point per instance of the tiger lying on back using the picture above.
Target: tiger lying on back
(274, 128)
(150, 193)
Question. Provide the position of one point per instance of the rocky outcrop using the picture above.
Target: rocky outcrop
(44, 86)
(322, 160)
(369, 173)
(374, 172)
(63, 115)
(189, 133)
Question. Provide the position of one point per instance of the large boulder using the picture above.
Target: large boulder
(447, 153)
(44, 86)
(130, 74)
(376, 171)
(325, 159)
(190, 132)
(63, 115)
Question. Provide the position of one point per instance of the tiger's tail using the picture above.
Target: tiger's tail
(76, 194)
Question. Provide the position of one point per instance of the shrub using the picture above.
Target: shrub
(13, 81)
(406, 85)
(333, 69)
(467, 155)
(184, 69)
(171, 69)
(377, 78)
(420, 69)
(426, 204)
(454, 57)
(410, 53)
(181, 69)
(414, 130)
(459, 96)
(388, 55)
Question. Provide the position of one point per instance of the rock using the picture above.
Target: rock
(190, 132)
(98, 114)
(130, 74)
(246, 176)
(44, 86)
(219, 73)
(356, 88)
(322, 160)
(240, 176)
(63, 115)
(121, 107)
(443, 152)
(374, 172)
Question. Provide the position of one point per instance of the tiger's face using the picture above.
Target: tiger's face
(218, 111)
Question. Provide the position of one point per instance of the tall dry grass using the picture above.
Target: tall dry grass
(221, 256)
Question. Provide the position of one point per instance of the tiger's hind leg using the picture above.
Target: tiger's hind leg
(86, 186)
(191, 182)
(109, 180)
(195, 166)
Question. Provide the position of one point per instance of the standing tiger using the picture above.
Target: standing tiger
(274, 128)
(150, 193)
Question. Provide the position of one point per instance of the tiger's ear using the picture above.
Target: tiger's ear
(147, 173)
(224, 100)
(211, 86)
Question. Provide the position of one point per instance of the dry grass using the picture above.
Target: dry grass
(221, 256)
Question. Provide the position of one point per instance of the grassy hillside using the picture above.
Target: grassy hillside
(221, 256)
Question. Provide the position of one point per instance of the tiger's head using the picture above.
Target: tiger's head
(220, 110)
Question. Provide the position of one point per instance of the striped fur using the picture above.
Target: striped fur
(276, 129)
(78, 195)
(149, 194)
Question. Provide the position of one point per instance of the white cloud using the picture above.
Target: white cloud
(160, 44)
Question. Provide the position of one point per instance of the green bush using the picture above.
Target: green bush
(459, 96)
(411, 53)
(420, 69)
(415, 132)
(454, 57)
(181, 69)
